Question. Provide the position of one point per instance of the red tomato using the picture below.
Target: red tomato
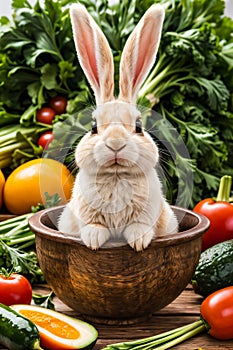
(45, 115)
(220, 214)
(15, 289)
(217, 311)
(45, 139)
(58, 104)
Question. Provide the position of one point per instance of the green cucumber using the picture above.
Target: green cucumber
(16, 331)
(215, 269)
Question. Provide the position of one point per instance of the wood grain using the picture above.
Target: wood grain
(6, 216)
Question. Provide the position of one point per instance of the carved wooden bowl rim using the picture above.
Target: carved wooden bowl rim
(200, 224)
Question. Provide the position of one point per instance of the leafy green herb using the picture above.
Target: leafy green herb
(21, 262)
(17, 243)
(187, 89)
(50, 201)
(44, 300)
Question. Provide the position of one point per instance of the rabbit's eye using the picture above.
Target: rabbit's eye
(138, 127)
(94, 129)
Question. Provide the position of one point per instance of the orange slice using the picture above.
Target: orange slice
(59, 331)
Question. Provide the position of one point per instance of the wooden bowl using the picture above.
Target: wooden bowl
(115, 284)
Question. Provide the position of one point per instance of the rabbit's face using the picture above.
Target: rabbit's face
(117, 140)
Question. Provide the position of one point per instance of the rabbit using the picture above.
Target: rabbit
(117, 192)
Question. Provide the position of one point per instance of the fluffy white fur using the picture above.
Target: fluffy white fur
(117, 192)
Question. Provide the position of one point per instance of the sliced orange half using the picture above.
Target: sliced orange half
(59, 331)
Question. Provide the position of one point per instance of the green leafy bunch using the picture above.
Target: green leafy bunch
(17, 243)
(37, 62)
(192, 80)
(37, 58)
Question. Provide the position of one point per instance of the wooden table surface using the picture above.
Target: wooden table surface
(182, 311)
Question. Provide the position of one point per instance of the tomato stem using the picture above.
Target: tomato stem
(224, 189)
(6, 273)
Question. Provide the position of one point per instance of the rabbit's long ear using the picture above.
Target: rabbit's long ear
(139, 53)
(94, 53)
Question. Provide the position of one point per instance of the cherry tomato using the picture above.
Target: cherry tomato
(58, 104)
(220, 214)
(217, 311)
(15, 289)
(45, 115)
(45, 139)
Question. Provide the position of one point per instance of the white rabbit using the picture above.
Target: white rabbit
(117, 192)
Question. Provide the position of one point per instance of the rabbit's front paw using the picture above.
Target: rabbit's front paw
(94, 236)
(138, 236)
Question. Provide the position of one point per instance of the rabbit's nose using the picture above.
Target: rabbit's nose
(115, 145)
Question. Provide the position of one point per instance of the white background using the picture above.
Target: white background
(229, 8)
(5, 7)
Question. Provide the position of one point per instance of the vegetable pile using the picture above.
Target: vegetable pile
(45, 109)
(38, 71)
(190, 86)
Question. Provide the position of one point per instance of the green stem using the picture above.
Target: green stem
(27, 244)
(6, 228)
(23, 232)
(27, 238)
(5, 163)
(167, 339)
(16, 229)
(5, 155)
(6, 130)
(16, 220)
(163, 77)
(149, 86)
(224, 189)
(157, 68)
(182, 338)
(10, 148)
(11, 135)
